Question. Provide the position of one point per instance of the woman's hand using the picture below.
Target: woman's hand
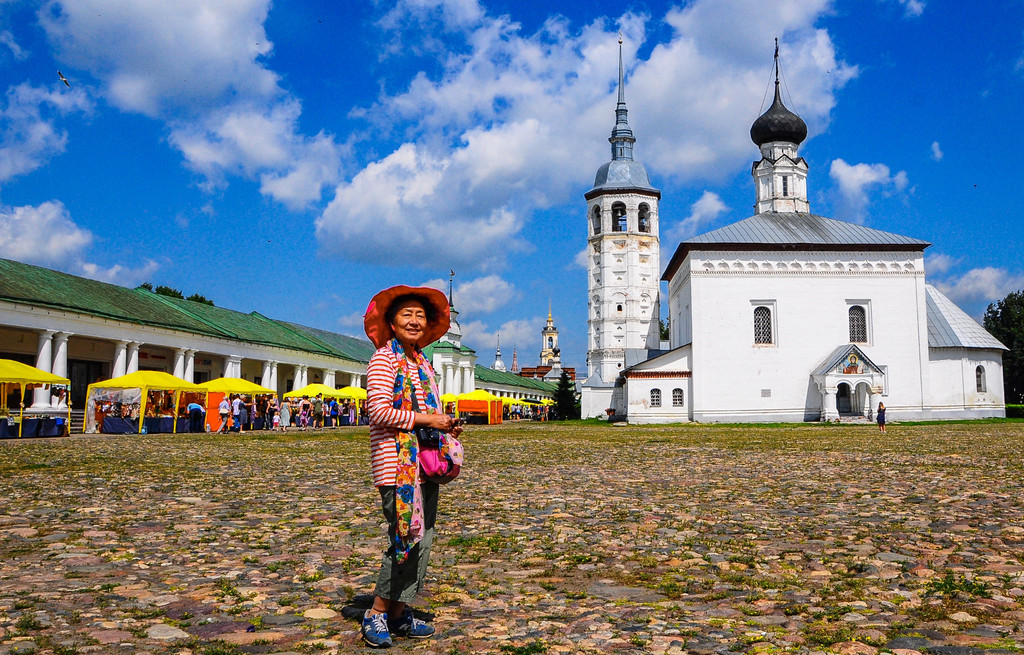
(442, 422)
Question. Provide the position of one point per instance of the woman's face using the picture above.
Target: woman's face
(410, 322)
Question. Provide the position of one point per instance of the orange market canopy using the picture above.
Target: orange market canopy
(131, 390)
(25, 377)
(480, 402)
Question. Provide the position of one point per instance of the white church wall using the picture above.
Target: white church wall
(679, 302)
(594, 402)
(953, 389)
(646, 407)
(738, 380)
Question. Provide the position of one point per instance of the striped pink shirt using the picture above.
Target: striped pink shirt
(385, 420)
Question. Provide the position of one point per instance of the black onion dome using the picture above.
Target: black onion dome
(778, 124)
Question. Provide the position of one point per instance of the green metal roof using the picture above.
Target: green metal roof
(486, 375)
(358, 350)
(42, 287)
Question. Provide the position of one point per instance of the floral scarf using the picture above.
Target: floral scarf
(408, 503)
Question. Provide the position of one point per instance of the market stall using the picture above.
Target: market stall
(481, 405)
(16, 379)
(357, 395)
(216, 391)
(140, 402)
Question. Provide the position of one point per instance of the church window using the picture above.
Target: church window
(858, 325)
(597, 220)
(655, 397)
(762, 325)
(979, 374)
(618, 308)
(618, 217)
(677, 397)
(644, 218)
(785, 185)
(551, 342)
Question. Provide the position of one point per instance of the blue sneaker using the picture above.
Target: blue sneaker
(375, 630)
(409, 626)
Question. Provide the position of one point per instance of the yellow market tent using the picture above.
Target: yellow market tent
(352, 393)
(479, 394)
(448, 397)
(25, 377)
(236, 385)
(128, 390)
(480, 402)
(312, 390)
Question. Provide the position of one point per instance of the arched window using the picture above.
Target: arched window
(597, 219)
(858, 325)
(551, 342)
(979, 374)
(644, 218)
(677, 397)
(762, 325)
(618, 217)
(655, 397)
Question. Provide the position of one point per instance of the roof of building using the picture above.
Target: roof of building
(951, 327)
(778, 124)
(486, 375)
(792, 231)
(622, 175)
(837, 356)
(43, 287)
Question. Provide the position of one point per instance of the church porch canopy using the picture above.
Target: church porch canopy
(848, 365)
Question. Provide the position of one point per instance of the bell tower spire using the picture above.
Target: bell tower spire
(622, 138)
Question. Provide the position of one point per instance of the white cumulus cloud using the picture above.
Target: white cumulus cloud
(519, 333)
(199, 67)
(29, 134)
(913, 7)
(46, 235)
(980, 286)
(702, 212)
(516, 121)
(855, 182)
(482, 295)
(940, 263)
(937, 153)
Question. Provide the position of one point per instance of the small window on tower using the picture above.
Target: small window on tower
(618, 308)
(785, 185)
(644, 218)
(596, 220)
(619, 217)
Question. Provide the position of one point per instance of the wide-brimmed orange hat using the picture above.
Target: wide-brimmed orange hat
(380, 332)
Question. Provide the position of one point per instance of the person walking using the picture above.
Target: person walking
(286, 414)
(880, 417)
(318, 412)
(224, 409)
(402, 395)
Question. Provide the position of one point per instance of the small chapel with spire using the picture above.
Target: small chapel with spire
(783, 316)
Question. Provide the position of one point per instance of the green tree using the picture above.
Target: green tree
(195, 297)
(1005, 321)
(148, 286)
(567, 403)
(169, 292)
(663, 330)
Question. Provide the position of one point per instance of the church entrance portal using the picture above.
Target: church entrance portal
(843, 398)
(852, 402)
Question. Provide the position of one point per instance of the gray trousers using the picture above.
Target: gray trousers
(401, 582)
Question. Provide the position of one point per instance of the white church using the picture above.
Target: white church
(785, 316)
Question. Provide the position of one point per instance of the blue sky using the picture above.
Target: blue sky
(295, 157)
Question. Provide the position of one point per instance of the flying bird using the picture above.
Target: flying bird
(64, 79)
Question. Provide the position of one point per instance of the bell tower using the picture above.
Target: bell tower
(623, 261)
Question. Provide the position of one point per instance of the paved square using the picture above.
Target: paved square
(556, 539)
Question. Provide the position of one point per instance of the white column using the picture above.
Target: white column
(329, 377)
(179, 363)
(60, 363)
(44, 362)
(300, 376)
(265, 374)
(233, 366)
(828, 408)
(468, 384)
(190, 366)
(120, 364)
(133, 357)
(273, 378)
(448, 371)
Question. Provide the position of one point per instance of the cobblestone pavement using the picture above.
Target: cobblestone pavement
(556, 539)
